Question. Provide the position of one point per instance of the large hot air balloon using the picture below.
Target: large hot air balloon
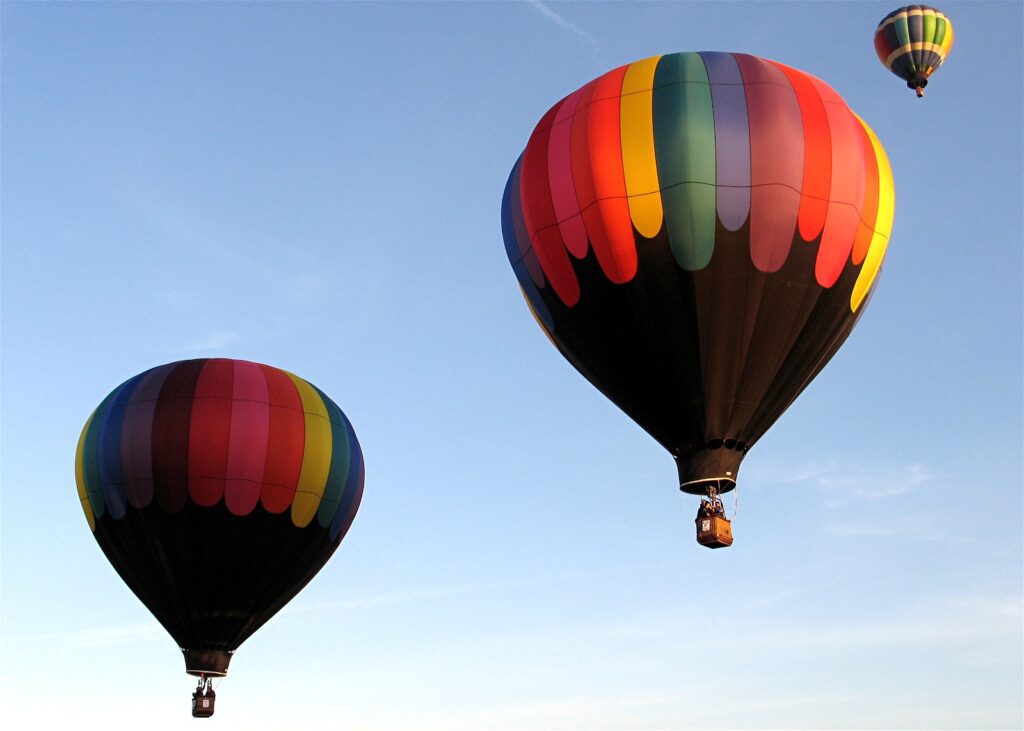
(698, 233)
(912, 42)
(217, 489)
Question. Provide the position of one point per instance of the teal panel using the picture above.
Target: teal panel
(684, 144)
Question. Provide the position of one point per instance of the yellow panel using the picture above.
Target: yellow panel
(947, 40)
(883, 223)
(916, 46)
(538, 320)
(636, 119)
(316, 454)
(83, 494)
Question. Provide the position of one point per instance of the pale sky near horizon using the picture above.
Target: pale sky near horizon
(317, 186)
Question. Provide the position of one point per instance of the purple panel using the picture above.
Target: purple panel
(776, 161)
(136, 437)
(732, 139)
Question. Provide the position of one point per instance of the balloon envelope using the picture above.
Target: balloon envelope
(912, 42)
(217, 489)
(698, 233)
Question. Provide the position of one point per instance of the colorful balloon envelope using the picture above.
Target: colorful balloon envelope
(912, 42)
(698, 233)
(217, 489)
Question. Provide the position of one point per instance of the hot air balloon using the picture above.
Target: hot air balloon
(697, 234)
(217, 489)
(912, 42)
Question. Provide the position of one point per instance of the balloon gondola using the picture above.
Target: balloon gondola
(912, 42)
(697, 234)
(217, 489)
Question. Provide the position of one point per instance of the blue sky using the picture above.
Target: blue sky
(317, 187)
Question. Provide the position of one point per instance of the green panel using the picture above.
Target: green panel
(902, 32)
(940, 30)
(929, 28)
(684, 143)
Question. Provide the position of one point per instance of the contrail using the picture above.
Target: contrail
(560, 21)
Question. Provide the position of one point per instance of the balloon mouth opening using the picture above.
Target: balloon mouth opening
(918, 83)
(206, 663)
(715, 466)
(700, 487)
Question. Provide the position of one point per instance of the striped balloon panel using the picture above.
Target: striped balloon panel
(219, 431)
(696, 147)
(913, 41)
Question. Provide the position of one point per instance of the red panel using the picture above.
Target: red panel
(286, 440)
(209, 430)
(882, 49)
(563, 192)
(847, 193)
(817, 155)
(579, 149)
(247, 445)
(171, 426)
(869, 210)
(539, 213)
(608, 221)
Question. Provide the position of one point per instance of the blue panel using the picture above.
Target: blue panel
(355, 477)
(111, 472)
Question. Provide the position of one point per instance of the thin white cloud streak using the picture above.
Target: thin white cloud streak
(843, 484)
(216, 340)
(439, 592)
(913, 527)
(805, 473)
(927, 632)
(561, 22)
(152, 631)
(852, 488)
(184, 229)
(96, 636)
(939, 622)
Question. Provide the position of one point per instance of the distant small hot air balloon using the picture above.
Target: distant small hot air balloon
(217, 489)
(912, 42)
(698, 233)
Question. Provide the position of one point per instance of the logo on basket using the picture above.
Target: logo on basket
(705, 525)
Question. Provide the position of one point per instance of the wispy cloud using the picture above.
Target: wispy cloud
(184, 227)
(942, 622)
(845, 489)
(216, 340)
(307, 287)
(376, 600)
(545, 10)
(426, 594)
(910, 527)
(843, 483)
(679, 708)
(809, 472)
(96, 636)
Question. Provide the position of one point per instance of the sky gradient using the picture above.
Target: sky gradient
(318, 187)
